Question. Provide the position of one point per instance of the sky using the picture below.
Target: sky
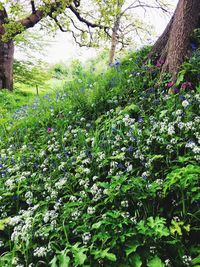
(62, 47)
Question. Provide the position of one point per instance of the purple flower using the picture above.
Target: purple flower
(176, 90)
(170, 84)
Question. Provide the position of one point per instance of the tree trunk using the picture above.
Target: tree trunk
(6, 56)
(6, 65)
(114, 41)
(174, 44)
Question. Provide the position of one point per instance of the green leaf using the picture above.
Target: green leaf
(196, 260)
(99, 119)
(104, 254)
(136, 261)
(3, 223)
(97, 225)
(110, 256)
(131, 247)
(118, 156)
(131, 107)
(180, 79)
(80, 257)
(163, 113)
(53, 262)
(155, 157)
(155, 262)
(63, 260)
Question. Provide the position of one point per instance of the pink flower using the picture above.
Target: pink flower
(186, 85)
(170, 84)
(159, 63)
(49, 130)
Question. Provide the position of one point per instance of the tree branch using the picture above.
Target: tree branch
(33, 7)
(81, 19)
(36, 17)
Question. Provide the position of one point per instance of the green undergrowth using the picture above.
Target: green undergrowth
(103, 173)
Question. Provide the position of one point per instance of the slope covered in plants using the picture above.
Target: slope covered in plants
(105, 172)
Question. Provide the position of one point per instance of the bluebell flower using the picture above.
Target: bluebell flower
(151, 90)
(14, 197)
(121, 166)
(193, 46)
(140, 120)
(12, 161)
(134, 138)
(181, 97)
(130, 149)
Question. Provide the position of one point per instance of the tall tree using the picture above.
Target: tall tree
(18, 16)
(126, 22)
(175, 44)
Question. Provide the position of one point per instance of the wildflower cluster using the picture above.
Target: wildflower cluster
(112, 188)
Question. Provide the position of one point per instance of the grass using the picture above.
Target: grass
(103, 173)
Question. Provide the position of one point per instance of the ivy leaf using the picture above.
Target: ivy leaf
(155, 262)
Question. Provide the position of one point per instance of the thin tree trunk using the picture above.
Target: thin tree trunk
(114, 41)
(6, 65)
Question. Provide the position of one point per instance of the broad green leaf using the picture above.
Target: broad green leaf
(131, 247)
(110, 256)
(131, 107)
(136, 261)
(63, 260)
(104, 254)
(155, 262)
(79, 257)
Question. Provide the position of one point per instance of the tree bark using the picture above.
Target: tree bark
(114, 41)
(174, 44)
(6, 65)
(6, 57)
